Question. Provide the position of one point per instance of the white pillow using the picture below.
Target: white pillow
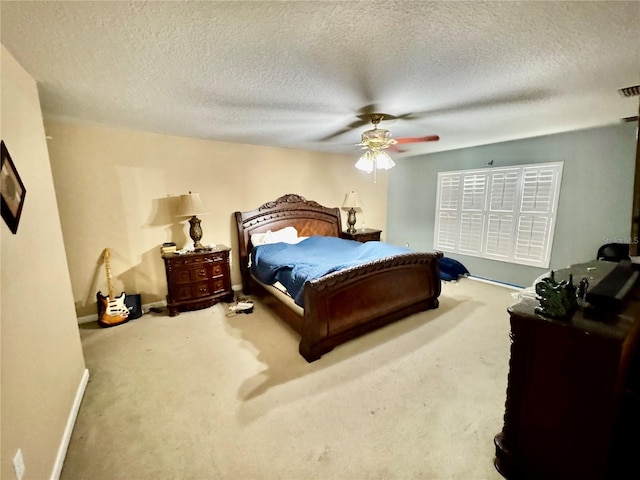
(258, 239)
(286, 235)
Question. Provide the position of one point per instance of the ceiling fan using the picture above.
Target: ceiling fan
(380, 138)
(376, 140)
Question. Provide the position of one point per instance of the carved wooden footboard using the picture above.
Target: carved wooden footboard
(345, 304)
(349, 303)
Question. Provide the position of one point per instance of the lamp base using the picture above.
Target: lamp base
(351, 220)
(195, 232)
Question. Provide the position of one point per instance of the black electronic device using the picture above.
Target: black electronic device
(610, 292)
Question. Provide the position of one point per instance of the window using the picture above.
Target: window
(504, 213)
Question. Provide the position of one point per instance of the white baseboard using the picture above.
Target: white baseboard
(494, 282)
(71, 421)
(145, 309)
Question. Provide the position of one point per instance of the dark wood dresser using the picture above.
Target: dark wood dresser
(197, 280)
(573, 397)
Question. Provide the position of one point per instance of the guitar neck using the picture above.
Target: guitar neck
(107, 266)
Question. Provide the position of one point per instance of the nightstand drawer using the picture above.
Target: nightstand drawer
(183, 292)
(219, 285)
(199, 274)
(181, 276)
(217, 270)
(201, 289)
(190, 262)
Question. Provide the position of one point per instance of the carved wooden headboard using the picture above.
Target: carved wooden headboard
(308, 217)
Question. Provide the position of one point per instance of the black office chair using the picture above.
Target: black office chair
(613, 252)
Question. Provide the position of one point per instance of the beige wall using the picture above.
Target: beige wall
(42, 363)
(118, 189)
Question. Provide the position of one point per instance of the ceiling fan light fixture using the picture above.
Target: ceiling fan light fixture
(376, 138)
(375, 141)
(374, 160)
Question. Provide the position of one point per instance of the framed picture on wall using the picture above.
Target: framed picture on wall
(12, 191)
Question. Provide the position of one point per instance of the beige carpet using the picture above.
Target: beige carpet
(205, 396)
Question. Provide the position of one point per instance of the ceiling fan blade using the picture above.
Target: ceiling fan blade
(511, 98)
(363, 118)
(428, 138)
(347, 129)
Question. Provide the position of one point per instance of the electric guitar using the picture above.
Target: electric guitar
(112, 310)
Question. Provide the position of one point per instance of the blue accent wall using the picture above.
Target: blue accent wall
(595, 197)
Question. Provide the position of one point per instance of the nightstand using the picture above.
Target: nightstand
(363, 235)
(197, 280)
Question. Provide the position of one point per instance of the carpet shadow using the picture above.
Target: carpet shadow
(275, 345)
(92, 325)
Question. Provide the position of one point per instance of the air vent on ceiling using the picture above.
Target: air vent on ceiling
(633, 91)
(630, 91)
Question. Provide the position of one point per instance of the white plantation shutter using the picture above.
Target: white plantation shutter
(540, 191)
(474, 197)
(505, 214)
(504, 187)
(471, 232)
(447, 231)
(474, 191)
(503, 202)
(499, 239)
(531, 238)
(447, 219)
(449, 192)
(538, 187)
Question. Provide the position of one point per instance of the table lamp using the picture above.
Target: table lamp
(352, 204)
(190, 206)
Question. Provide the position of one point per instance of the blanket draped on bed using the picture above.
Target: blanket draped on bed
(293, 264)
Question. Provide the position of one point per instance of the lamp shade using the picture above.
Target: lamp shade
(383, 161)
(365, 162)
(191, 205)
(352, 200)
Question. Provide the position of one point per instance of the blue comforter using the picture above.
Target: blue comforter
(314, 257)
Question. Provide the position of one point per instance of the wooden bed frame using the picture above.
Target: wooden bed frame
(344, 304)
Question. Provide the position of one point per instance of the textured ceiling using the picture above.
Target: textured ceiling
(297, 74)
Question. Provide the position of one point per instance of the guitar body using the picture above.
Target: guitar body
(112, 310)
